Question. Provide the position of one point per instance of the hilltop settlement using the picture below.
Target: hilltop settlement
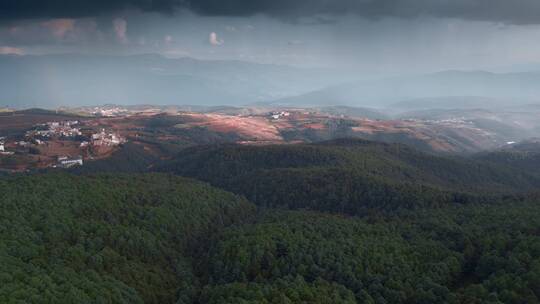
(56, 143)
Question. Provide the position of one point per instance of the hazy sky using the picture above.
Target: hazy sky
(388, 36)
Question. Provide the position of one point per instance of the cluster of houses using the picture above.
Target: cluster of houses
(108, 112)
(44, 134)
(56, 129)
(278, 115)
(98, 139)
(106, 139)
(69, 129)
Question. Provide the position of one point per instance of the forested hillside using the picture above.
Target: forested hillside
(131, 158)
(107, 239)
(387, 225)
(349, 175)
(462, 254)
(522, 157)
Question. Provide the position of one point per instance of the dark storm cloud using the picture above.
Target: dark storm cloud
(29, 9)
(508, 11)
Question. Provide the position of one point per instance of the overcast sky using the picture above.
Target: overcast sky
(387, 36)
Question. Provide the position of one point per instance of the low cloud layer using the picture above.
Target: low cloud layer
(515, 11)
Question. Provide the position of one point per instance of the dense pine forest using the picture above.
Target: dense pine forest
(344, 221)
(353, 176)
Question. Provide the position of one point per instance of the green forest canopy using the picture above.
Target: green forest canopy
(373, 235)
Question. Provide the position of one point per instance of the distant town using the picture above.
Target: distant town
(61, 143)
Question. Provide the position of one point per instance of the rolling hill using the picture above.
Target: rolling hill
(348, 175)
(490, 89)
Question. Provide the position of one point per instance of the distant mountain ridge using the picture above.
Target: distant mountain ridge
(449, 103)
(505, 89)
(75, 80)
